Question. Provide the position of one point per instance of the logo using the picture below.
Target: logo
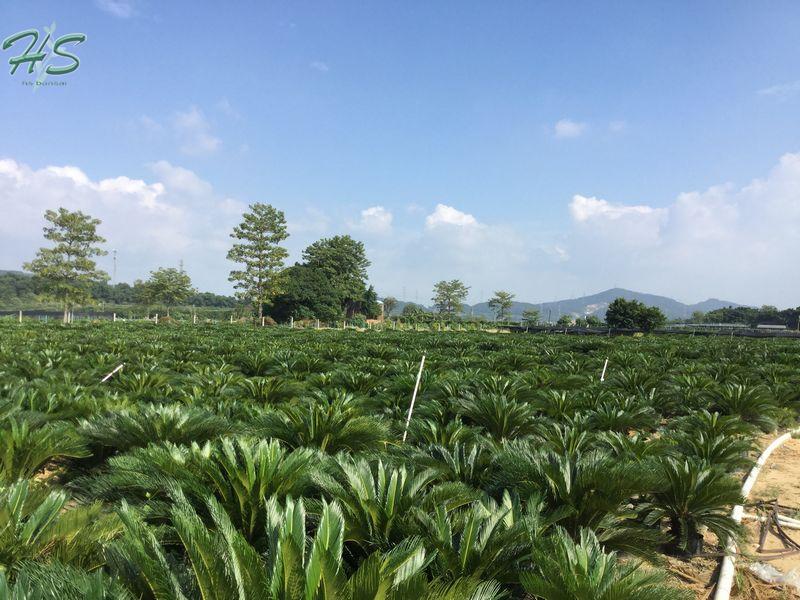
(50, 57)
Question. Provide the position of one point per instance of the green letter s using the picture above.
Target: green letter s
(66, 39)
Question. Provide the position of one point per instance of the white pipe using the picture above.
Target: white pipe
(726, 572)
(414, 397)
(787, 522)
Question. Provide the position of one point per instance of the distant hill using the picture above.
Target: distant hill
(596, 304)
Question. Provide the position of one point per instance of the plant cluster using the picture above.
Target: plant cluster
(268, 463)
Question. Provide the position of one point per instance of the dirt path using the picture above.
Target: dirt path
(779, 479)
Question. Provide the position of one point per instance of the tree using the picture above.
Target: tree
(501, 304)
(593, 321)
(530, 317)
(67, 269)
(369, 304)
(632, 314)
(260, 233)
(449, 296)
(344, 262)
(307, 294)
(168, 287)
(564, 321)
(389, 304)
(413, 311)
(650, 317)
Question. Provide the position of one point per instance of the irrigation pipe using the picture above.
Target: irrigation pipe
(787, 522)
(726, 572)
(414, 397)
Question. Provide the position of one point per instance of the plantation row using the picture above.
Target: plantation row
(227, 462)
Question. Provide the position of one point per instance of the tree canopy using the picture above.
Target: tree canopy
(449, 296)
(632, 314)
(67, 269)
(168, 287)
(259, 252)
(501, 304)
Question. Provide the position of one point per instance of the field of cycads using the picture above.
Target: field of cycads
(226, 462)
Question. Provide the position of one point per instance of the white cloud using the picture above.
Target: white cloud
(157, 223)
(444, 216)
(320, 66)
(194, 132)
(224, 106)
(781, 91)
(729, 242)
(617, 126)
(180, 179)
(567, 128)
(123, 9)
(374, 220)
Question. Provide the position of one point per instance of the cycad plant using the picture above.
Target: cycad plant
(25, 450)
(567, 569)
(37, 525)
(693, 496)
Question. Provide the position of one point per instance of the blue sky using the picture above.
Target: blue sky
(548, 149)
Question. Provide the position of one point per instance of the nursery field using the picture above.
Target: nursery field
(224, 461)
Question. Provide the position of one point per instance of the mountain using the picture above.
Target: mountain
(596, 304)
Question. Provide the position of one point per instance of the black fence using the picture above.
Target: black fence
(610, 331)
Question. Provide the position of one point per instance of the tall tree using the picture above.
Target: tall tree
(67, 269)
(501, 304)
(259, 252)
(530, 317)
(389, 304)
(344, 262)
(449, 296)
(168, 287)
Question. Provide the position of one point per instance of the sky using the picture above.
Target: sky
(550, 149)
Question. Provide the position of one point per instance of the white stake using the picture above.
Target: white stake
(107, 377)
(291, 322)
(605, 366)
(414, 397)
(114, 317)
(20, 316)
(156, 318)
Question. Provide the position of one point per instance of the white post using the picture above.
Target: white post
(194, 318)
(156, 318)
(20, 316)
(414, 397)
(107, 377)
(291, 322)
(263, 321)
(114, 317)
(317, 323)
(603, 374)
(231, 318)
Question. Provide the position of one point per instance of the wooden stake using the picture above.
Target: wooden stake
(414, 397)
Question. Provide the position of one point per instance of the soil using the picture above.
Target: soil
(779, 480)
